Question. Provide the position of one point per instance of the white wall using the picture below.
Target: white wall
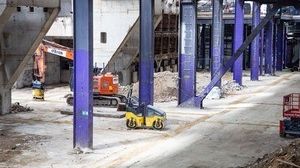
(115, 17)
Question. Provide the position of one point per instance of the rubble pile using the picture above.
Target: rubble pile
(17, 108)
(165, 87)
(286, 157)
(230, 87)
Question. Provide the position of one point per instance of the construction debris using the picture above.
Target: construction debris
(230, 87)
(286, 157)
(166, 85)
(17, 108)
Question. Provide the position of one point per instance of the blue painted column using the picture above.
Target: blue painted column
(238, 40)
(284, 47)
(187, 56)
(203, 33)
(279, 47)
(262, 54)
(83, 74)
(146, 60)
(255, 46)
(269, 47)
(275, 32)
(217, 27)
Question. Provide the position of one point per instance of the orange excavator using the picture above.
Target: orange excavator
(105, 87)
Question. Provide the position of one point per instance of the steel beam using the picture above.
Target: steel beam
(269, 46)
(217, 27)
(83, 74)
(285, 48)
(274, 62)
(238, 40)
(203, 47)
(255, 46)
(146, 63)
(279, 47)
(220, 73)
(188, 51)
(262, 54)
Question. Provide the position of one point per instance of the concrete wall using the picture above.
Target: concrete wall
(114, 17)
(63, 25)
(52, 75)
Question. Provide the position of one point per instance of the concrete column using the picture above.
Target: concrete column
(269, 47)
(238, 40)
(188, 49)
(255, 47)
(216, 38)
(126, 77)
(5, 93)
(83, 74)
(5, 101)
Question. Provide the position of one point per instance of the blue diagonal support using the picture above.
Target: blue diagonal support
(83, 74)
(188, 49)
(220, 73)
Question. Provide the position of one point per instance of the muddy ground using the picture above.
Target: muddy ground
(13, 144)
(285, 157)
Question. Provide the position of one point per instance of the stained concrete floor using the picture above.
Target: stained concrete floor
(229, 132)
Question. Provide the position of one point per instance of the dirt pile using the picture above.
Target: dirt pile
(17, 108)
(286, 157)
(165, 87)
(230, 87)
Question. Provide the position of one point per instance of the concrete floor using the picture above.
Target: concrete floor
(229, 132)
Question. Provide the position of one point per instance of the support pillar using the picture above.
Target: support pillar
(279, 47)
(269, 47)
(5, 93)
(255, 47)
(187, 56)
(238, 40)
(262, 53)
(203, 33)
(275, 32)
(146, 62)
(83, 74)
(216, 46)
(284, 48)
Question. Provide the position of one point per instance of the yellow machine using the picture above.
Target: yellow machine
(141, 116)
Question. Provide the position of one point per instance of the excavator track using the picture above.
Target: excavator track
(102, 101)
